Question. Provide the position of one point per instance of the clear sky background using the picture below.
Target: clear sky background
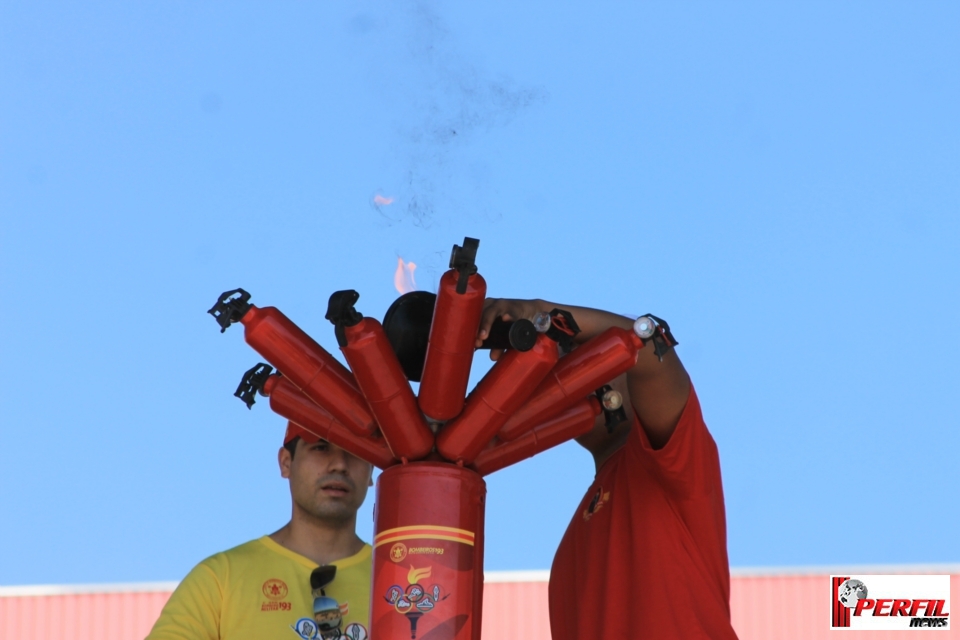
(781, 181)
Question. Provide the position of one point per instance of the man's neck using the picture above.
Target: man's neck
(322, 542)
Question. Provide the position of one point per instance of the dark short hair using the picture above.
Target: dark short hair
(291, 445)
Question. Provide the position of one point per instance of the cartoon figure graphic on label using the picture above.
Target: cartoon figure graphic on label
(325, 624)
(327, 615)
(306, 628)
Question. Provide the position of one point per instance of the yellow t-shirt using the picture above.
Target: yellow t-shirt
(261, 591)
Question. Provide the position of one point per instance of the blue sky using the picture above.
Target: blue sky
(781, 181)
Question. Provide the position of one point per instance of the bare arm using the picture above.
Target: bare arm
(657, 390)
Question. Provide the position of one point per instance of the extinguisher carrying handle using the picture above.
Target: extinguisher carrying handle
(661, 337)
(252, 383)
(563, 329)
(231, 306)
(464, 260)
(340, 313)
(520, 335)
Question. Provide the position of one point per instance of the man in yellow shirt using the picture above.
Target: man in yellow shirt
(284, 585)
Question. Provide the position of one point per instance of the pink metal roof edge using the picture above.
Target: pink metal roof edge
(496, 577)
(789, 603)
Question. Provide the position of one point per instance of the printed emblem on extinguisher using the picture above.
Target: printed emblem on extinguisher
(414, 601)
(427, 581)
(398, 552)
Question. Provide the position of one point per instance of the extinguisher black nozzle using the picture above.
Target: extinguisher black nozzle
(340, 313)
(520, 335)
(523, 335)
(252, 383)
(464, 260)
(231, 306)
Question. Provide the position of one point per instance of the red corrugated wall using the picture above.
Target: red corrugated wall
(763, 607)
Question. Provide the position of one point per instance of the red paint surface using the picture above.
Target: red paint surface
(288, 401)
(387, 392)
(497, 396)
(309, 366)
(574, 422)
(576, 375)
(446, 369)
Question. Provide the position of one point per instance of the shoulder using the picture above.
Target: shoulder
(690, 429)
(362, 558)
(690, 456)
(248, 552)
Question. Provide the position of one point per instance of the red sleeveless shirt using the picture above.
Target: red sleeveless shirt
(645, 555)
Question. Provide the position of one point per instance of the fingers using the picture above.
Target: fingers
(495, 354)
(493, 308)
(505, 309)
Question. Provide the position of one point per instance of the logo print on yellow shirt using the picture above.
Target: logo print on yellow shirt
(600, 498)
(275, 589)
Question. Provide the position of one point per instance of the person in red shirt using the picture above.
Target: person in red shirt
(645, 554)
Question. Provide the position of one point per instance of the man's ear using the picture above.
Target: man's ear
(285, 460)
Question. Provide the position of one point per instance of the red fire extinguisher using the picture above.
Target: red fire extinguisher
(456, 320)
(574, 422)
(428, 553)
(304, 362)
(504, 389)
(386, 389)
(576, 375)
(289, 402)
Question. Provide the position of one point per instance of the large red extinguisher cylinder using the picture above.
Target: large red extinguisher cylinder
(572, 423)
(501, 392)
(304, 362)
(428, 553)
(576, 375)
(386, 389)
(453, 330)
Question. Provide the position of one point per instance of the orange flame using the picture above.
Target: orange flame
(382, 200)
(414, 576)
(403, 277)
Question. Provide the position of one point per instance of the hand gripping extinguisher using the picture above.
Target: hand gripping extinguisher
(387, 391)
(503, 390)
(289, 402)
(576, 375)
(304, 362)
(574, 422)
(456, 320)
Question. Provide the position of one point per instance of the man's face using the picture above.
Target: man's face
(326, 482)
